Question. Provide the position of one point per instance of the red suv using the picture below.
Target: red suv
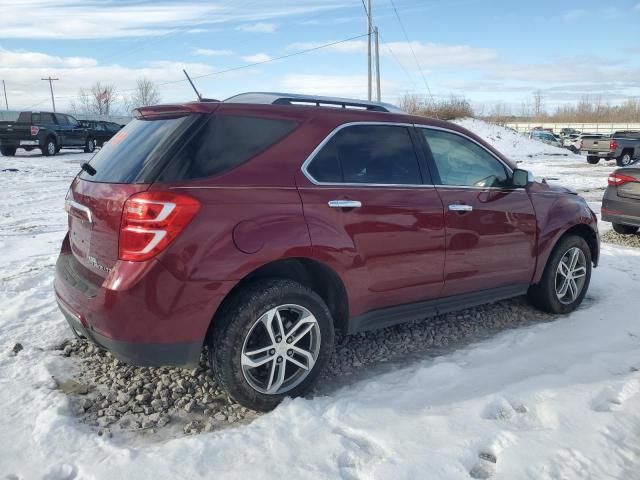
(259, 225)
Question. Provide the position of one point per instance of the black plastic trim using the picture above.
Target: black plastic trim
(386, 317)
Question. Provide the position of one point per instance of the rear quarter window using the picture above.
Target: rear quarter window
(138, 152)
(224, 142)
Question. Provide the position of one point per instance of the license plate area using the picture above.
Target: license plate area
(28, 142)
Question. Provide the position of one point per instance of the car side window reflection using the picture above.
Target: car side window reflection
(461, 162)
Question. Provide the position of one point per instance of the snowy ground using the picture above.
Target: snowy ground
(548, 401)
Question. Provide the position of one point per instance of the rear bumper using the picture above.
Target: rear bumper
(140, 312)
(616, 209)
(592, 153)
(140, 354)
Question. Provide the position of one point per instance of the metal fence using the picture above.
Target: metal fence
(12, 116)
(605, 128)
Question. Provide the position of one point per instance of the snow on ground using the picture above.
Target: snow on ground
(554, 400)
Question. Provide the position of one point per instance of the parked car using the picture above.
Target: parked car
(621, 201)
(100, 130)
(185, 231)
(623, 146)
(572, 142)
(44, 130)
(546, 137)
(565, 132)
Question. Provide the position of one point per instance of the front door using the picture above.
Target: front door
(374, 216)
(490, 226)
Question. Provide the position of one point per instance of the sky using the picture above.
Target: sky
(489, 52)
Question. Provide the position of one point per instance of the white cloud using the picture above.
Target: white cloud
(258, 57)
(430, 55)
(23, 70)
(37, 19)
(207, 52)
(258, 28)
(333, 85)
(575, 14)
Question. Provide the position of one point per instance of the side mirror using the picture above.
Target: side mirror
(520, 178)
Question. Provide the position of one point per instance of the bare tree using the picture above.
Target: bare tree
(411, 103)
(538, 105)
(146, 93)
(99, 99)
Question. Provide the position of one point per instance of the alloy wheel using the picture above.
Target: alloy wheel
(626, 159)
(280, 349)
(51, 148)
(570, 275)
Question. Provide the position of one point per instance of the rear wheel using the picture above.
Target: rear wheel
(8, 151)
(50, 147)
(271, 340)
(624, 160)
(566, 277)
(89, 145)
(624, 229)
(593, 160)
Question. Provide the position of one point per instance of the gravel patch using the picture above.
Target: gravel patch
(622, 240)
(113, 397)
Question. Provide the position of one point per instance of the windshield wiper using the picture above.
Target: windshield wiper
(88, 168)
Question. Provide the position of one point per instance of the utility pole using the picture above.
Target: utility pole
(51, 80)
(377, 52)
(369, 47)
(6, 102)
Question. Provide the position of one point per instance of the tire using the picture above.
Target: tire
(544, 295)
(593, 160)
(624, 229)
(624, 160)
(90, 145)
(8, 151)
(239, 326)
(50, 147)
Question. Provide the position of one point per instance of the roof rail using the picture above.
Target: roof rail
(312, 100)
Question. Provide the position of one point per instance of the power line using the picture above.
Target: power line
(415, 57)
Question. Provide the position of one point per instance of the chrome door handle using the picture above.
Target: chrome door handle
(457, 207)
(344, 204)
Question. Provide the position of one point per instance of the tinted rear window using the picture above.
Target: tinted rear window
(222, 143)
(136, 152)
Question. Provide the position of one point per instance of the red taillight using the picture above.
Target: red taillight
(151, 221)
(617, 179)
(613, 145)
(34, 131)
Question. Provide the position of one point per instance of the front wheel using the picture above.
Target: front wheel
(566, 277)
(624, 160)
(624, 229)
(593, 160)
(271, 340)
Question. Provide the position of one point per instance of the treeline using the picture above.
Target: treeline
(587, 110)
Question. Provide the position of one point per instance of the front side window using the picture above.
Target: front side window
(62, 119)
(368, 154)
(461, 162)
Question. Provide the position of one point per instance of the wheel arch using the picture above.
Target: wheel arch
(311, 273)
(582, 230)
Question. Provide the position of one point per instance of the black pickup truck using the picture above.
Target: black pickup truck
(44, 130)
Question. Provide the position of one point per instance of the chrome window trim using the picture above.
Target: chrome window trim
(460, 134)
(328, 138)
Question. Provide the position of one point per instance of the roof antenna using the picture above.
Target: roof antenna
(192, 85)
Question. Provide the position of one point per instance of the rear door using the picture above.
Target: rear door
(78, 133)
(490, 227)
(372, 210)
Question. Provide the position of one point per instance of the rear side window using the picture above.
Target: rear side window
(368, 154)
(24, 117)
(46, 118)
(223, 143)
(136, 152)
